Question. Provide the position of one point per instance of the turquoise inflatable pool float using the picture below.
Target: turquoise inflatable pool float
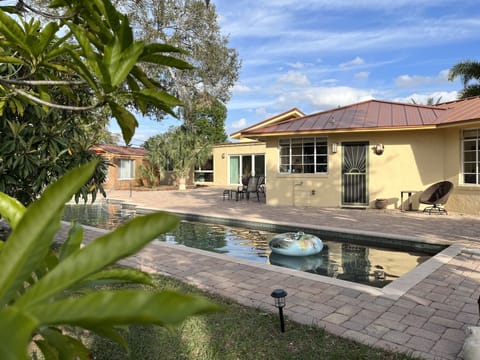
(296, 244)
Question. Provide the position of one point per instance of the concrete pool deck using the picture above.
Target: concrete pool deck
(423, 313)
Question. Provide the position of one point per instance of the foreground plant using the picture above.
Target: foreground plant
(42, 290)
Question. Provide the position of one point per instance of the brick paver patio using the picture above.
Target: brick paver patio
(423, 313)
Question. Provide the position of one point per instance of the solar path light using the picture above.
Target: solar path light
(279, 296)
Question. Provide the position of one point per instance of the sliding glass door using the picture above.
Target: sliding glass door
(245, 165)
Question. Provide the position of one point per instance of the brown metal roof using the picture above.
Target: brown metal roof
(460, 110)
(120, 150)
(371, 114)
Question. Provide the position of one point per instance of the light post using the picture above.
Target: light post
(279, 296)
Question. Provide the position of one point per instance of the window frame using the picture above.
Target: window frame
(206, 172)
(131, 170)
(475, 140)
(303, 155)
(253, 162)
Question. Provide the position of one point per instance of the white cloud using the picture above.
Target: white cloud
(296, 65)
(355, 62)
(294, 77)
(261, 112)
(444, 74)
(337, 96)
(421, 80)
(362, 75)
(444, 96)
(329, 81)
(238, 88)
(239, 124)
(325, 97)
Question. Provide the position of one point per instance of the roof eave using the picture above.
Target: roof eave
(338, 131)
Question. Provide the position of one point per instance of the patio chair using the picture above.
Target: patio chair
(255, 185)
(436, 196)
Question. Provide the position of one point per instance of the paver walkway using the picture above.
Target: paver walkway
(424, 313)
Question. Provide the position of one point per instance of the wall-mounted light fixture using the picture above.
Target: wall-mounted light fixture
(334, 148)
(378, 149)
(223, 155)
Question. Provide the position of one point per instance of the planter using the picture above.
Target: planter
(182, 183)
(381, 203)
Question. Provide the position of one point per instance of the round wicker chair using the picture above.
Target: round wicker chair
(436, 196)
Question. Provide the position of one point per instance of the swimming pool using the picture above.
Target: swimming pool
(350, 258)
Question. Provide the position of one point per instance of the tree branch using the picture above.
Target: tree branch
(41, 82)
(22, 6)
(53, 105)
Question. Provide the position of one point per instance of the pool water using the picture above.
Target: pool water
(374, 266)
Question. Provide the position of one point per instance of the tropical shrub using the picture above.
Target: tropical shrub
(42, 290)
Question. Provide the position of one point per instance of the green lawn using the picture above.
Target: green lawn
(237, 333)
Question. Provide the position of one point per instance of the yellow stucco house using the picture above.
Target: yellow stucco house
(351, 155)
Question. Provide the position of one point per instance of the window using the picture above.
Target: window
(303, 155)
(471, 156)
(126, 169)
(205, 172)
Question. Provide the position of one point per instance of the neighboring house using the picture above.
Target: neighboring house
(351, 155)
(125, 161)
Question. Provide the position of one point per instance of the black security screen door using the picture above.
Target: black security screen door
(354, 174)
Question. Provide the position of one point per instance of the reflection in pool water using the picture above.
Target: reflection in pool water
(369, 265)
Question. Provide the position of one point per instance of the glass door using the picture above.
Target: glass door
(234, 170)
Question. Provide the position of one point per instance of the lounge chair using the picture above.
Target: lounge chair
(436, 196)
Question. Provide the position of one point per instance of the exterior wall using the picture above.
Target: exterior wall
(411, 161)
(222, 152)
(113, 183)
(465, 198)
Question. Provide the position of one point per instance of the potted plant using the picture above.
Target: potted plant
(381, 203)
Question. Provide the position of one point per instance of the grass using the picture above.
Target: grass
(239, 332)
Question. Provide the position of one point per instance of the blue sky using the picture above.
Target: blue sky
(320, 54)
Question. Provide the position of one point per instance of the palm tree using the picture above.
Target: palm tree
(431, 101)
(467, 70)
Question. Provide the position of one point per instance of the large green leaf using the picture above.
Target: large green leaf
(73, 241)
(29, 242)
(167, 61)
(66, 346)
(96, 255)
(44, 39)
(122, 61)
(120, 275)
(157, 98)
(109, 12)
(16, 329)
(7, 59)
(89, 53)
(11, 209)
(140, 75)
(154, 48)
(118, 307)
(125, 119)
(81, 69)
(12, 31)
